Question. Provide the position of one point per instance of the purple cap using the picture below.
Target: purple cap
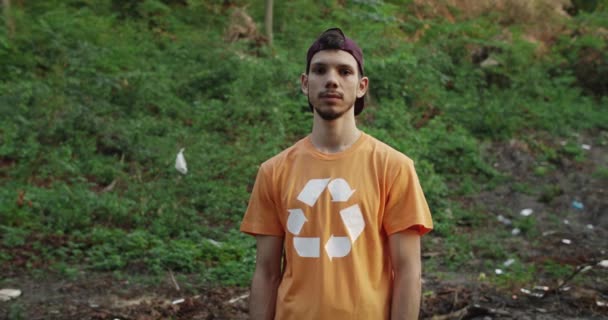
(345, 44)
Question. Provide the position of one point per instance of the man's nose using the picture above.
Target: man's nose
(332, 79)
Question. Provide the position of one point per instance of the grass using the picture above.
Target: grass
(98, 99)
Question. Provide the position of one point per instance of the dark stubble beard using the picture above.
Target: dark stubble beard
(329, 114)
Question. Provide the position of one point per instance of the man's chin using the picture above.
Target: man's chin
(330, 114)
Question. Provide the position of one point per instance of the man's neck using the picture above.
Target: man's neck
(336, 135)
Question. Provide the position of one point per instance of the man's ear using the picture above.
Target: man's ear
(363, 85)
(304, 83)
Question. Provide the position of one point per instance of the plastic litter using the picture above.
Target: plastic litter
(498, 271)
(586, 146)
(601, 303)
(566, 221)
(566, 241)
(515, 231)
(586, 268)
(577, 205)
(532, 293)
(8, 294)
(526, 212)
(503, 220)
(239, 298)
(508, 262)
(215, 243)
(178, 301)
(180, 162)
(603, 264)
(590, 226)
(489, 62)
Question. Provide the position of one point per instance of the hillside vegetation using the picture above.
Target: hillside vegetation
(98, 96)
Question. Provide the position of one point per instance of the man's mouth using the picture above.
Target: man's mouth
(331, 95)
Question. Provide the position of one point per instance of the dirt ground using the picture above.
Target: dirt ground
(447, 295)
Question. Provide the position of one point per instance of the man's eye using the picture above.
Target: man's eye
(319, 70)
(345, 72)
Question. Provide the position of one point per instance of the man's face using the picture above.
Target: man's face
(333, 83)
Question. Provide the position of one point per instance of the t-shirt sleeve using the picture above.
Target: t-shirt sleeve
(406, 206)
(261, 217)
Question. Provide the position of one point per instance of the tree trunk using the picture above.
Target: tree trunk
(10, 24)
(268, 21)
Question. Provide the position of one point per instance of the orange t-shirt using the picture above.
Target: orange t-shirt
(335, 212)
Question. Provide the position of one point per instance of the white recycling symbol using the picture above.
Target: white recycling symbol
(335, 247)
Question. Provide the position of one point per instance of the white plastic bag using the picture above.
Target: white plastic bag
(180, 162)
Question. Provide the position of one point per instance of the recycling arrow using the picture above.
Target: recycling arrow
(296, 221)
(312, 190)
(353, 220)
(340, 190)
(307, 247)
(337, 247)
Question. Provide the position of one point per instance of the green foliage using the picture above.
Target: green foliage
(556, 270)
(97, 97)
(12, 237)
(517, 275)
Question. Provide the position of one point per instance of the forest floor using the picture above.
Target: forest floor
(476, 292)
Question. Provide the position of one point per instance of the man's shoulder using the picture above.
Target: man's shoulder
(387, 152)
(285, 155)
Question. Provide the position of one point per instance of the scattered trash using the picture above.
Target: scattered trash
(180, 162)
(603, 264)
(541, 288)
(215, 243)
(514, 297)
(601, 303)
(503, 220)
(178, 301)
(590, 226)
(489, 62)
(233, 300)
(577, 205)
(498, 271)
(586, 146)
(526, 212)
(586, 268)
(508, 262)
(566, 221)
(566, 241)
(566, 288)
(541, 310)
(482, 276)
(515, 231)
(532, 293)
(8, 294)
(548, 233)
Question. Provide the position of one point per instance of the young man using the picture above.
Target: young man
(346, 210)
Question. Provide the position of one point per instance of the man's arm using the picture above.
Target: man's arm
(405, 259)
(266, 277)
